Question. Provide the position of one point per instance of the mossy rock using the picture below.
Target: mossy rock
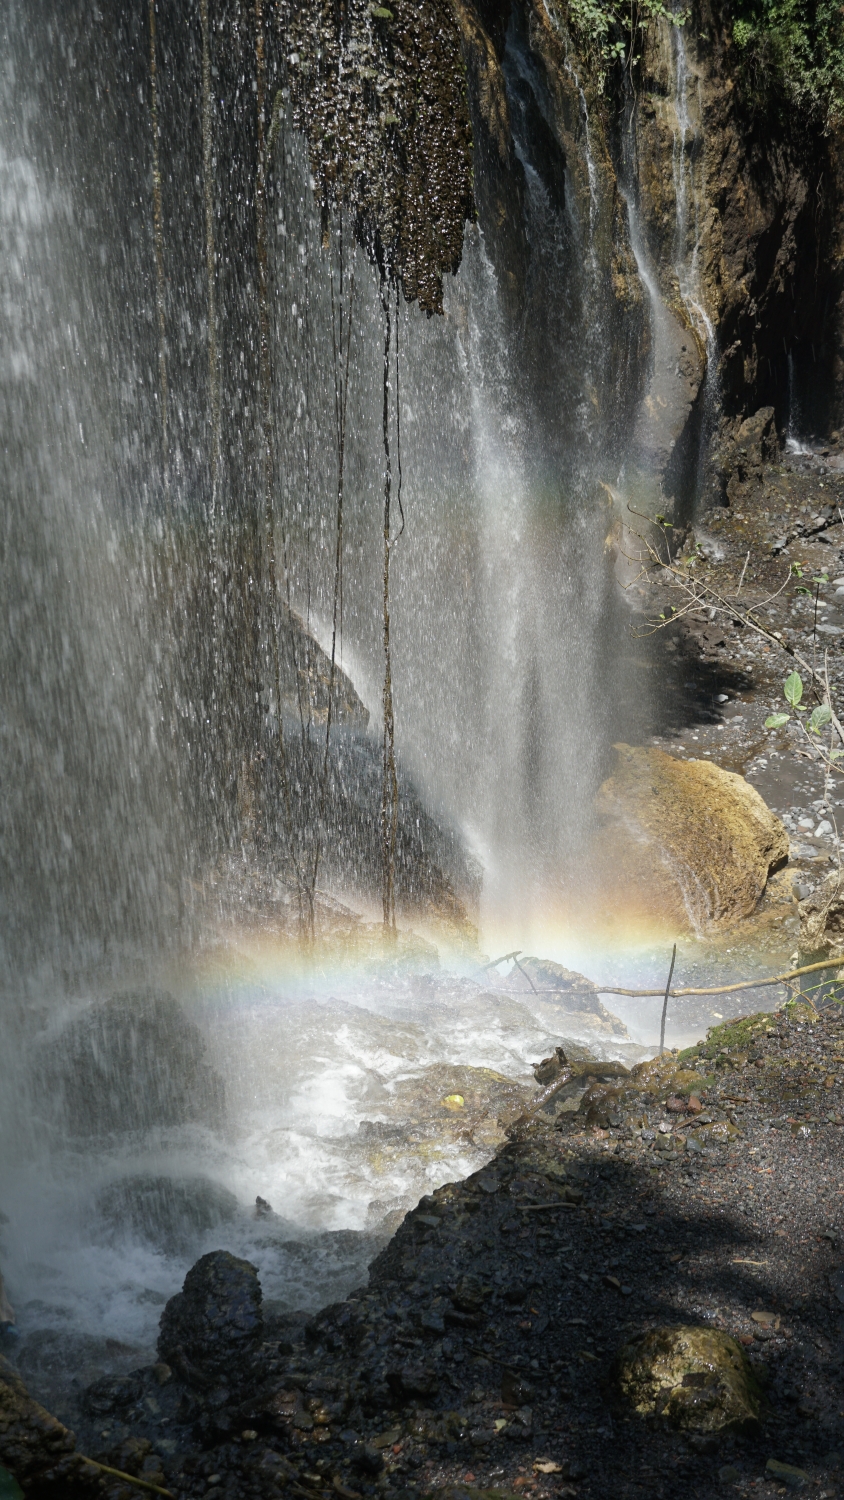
(697, 1379)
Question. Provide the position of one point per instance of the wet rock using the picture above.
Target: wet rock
(129, 1064)
(695, 841)
(411, 1380)
(112, 1393)
(366, 1459)
(697, 1379)
(822, 918)
(165, 1212)
(35, 1448)
(568, 989)
(469, 1294)
(215, 1324)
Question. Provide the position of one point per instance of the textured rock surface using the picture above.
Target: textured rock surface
(216, 1319)
(822, 918)
(381, 95)
(697, 842)
(697, 1379)
(35, 1448)
(130, 1063)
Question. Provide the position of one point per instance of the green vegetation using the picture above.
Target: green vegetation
(610, 33)
(792, 54)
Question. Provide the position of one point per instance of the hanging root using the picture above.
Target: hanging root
(389, 780)
(158, 242)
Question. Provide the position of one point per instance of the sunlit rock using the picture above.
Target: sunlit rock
(689, 841)
(697, 1379)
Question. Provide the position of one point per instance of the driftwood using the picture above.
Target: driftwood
(718, 989)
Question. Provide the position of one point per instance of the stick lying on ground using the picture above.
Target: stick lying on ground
(718, 989)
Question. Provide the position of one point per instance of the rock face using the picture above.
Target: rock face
(214, 1324)
(822, 918)
(697, 1379)
(696, 842)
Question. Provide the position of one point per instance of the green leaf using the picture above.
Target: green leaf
(835, 754)
(821, 578)
(802, 590)
(793, 688)
(9, 1487)
(776, 721)
(380, 12)
(820, 716)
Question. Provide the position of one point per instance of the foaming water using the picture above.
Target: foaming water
(348, 1094)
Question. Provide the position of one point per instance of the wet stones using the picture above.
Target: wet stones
(215, 1324)
(696, 1379)
(112, 1393)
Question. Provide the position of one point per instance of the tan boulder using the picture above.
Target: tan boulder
(688, 839)
(697, 1379)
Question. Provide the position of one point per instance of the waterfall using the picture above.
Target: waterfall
(688, 167)
(174, 764)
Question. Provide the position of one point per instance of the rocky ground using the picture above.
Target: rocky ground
(776, 548)
(704, 1189)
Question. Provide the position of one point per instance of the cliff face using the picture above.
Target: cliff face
(763, 220)
(712, 232)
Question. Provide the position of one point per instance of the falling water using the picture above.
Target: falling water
(687, 171)
(169, 1057)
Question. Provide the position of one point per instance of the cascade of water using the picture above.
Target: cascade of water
(143, 711)
(687, 170)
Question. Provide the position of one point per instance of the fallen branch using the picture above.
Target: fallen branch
(718, 989)
(139, 1484)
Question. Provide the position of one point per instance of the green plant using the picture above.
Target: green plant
(792, 54)
(611, 32)
(793, 693)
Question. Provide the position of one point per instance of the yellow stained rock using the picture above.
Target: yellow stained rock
(687, 838)
(698, 1379)
(454, 1101)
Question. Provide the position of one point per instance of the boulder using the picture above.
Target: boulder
(213, 1327)
(128, 1064)
(172, 1214)
(697, 1379)
(686, 840)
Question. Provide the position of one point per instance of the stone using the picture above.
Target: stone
(411, 1380)
(728, 1474)
(35, 1448)
(787, 1474)
(822, 919)
(112, 1393)
(131, 1063)
(687, 839)
(696, 1379)
(171, 1214)
(215, 1323)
